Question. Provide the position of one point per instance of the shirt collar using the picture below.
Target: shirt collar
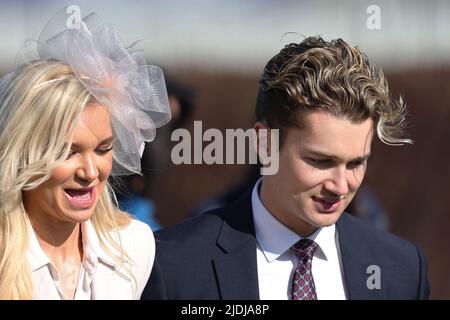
(93, 251)
(35, 255)
(274, 238)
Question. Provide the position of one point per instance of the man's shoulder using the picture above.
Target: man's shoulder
(203, 226)
(366, 250)
(374, 240)
(196, 237)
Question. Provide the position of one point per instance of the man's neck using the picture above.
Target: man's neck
(269, 199)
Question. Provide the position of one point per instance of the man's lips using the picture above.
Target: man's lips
(327, 200)
(327, 205)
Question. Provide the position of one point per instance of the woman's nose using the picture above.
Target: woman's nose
(87, 170)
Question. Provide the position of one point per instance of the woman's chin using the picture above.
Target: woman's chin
(78, 216)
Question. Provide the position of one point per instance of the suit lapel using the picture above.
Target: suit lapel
(236, 269)
(356, 258)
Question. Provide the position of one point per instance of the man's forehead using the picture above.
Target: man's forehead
(317, 117)
(326, 134)
(323, 123)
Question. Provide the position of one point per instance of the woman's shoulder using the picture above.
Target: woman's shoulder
(136, 227)
(139, 243)
(137, 237)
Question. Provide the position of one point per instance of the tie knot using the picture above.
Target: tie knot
(304, 248)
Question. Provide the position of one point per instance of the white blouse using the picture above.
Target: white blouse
(99, 277)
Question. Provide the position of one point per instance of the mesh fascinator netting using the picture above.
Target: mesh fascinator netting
(117, 76)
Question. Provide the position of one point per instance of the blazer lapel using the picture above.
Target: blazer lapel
(235, 267)
(356, 258)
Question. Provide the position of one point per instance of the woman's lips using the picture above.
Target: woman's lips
(81, 198)
(326, 205)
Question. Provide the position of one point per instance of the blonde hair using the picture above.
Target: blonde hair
(40, 104)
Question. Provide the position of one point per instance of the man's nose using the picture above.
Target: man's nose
(337, 183)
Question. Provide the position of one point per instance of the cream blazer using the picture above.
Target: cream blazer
(100, 276)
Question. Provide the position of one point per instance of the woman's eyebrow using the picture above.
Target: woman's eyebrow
(108, 140)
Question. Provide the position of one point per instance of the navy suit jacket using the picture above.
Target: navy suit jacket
(213, 257)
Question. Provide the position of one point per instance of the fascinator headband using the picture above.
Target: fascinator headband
(117, 76)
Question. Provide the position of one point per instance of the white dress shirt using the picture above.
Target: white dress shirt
(277, 263)
(100, 276)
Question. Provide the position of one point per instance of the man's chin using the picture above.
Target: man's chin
(321, 220)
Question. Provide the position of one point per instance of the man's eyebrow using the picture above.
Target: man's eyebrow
(363, 158)
(325, 155)
(321, 154)
(108, 140)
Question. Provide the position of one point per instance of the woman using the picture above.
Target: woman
(68, 120)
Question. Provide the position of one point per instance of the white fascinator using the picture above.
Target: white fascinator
(116, 75)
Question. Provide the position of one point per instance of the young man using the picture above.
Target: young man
(289, 238)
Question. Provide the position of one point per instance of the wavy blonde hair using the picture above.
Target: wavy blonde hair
(330, 76)
(40, 104)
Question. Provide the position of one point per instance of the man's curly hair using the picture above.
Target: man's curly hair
(330, 76)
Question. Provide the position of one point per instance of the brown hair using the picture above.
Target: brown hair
(330, 76)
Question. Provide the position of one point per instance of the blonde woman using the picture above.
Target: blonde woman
(69, 120)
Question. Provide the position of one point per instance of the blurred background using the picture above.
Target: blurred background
(213, 53)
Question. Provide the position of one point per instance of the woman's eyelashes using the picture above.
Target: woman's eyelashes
(100, 150)
(71, 154)
(104, 150)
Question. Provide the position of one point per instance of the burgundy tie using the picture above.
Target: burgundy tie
(303, 287)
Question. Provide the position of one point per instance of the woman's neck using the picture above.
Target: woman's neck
(60, 240)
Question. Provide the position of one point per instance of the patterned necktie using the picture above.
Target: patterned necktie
(303, 287)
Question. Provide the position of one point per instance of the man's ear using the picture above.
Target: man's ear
(262, 138)
(267, 147)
